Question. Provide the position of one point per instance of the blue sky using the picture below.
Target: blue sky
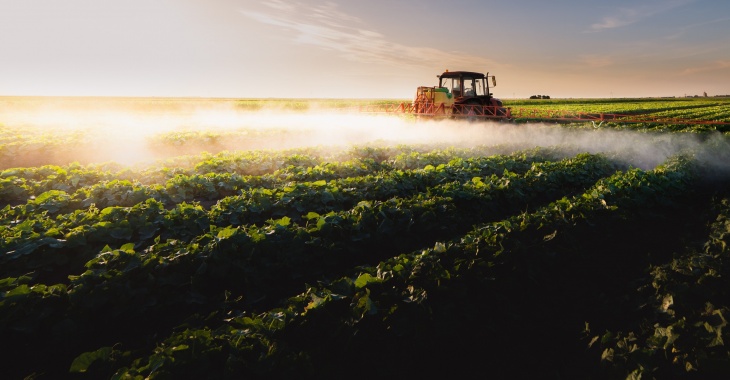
(362, 49)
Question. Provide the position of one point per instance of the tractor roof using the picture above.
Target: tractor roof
(457, 74)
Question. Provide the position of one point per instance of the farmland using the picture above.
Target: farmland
(246, 238)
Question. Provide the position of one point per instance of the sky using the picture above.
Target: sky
(362, 49)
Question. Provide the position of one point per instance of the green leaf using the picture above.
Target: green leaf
(550, 236)
(147, 231)
(107, 211)
(284, 221)
(320, 223)
(327, 197)
(226, 232)
(82, 363)
(367, 204)
(180, 347)
(121, 232)
(315, 302)
(18, 291)
(364, 305)
(129, 248)
(365, 279)
(23, 250)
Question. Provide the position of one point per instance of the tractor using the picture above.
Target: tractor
(460, 93)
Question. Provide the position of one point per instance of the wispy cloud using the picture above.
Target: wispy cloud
(627, 16)
(712, 66)
(327, 27)
(685, 29)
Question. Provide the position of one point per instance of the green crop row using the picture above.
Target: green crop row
(181, 262)
(511, 298)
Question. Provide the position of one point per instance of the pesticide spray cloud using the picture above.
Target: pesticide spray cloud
(138, 132)
(644, 150)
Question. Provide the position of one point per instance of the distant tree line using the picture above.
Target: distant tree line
(540, 97)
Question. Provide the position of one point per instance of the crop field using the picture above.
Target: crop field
(233, 238)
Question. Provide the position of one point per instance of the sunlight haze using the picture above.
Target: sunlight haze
(358, 49)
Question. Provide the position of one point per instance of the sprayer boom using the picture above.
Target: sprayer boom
(475, 112)
(567, 116)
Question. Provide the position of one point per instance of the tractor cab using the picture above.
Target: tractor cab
(469, 87)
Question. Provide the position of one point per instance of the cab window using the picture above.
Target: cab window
(452, 84)
(481, 91)
(469, 87)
